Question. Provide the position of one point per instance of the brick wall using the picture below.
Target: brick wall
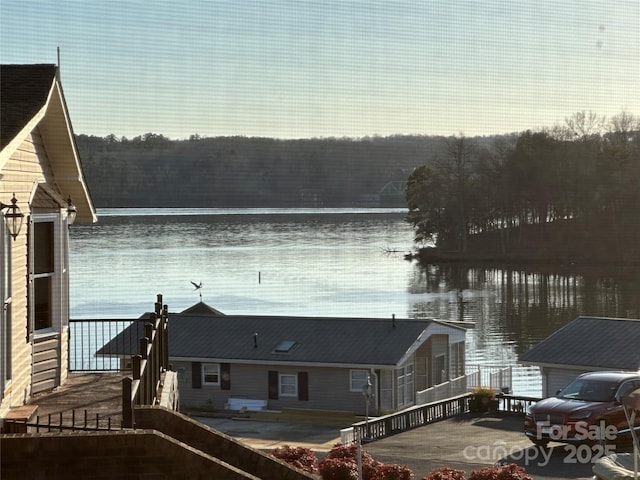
(165, 446)
(107, 455)
(216, 444)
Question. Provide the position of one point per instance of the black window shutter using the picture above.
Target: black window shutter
(196, 375)
(303, 386)
(273, 385)
(225, 376)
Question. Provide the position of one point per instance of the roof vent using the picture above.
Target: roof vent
(285, 346)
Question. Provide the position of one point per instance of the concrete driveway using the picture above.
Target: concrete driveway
(269, 435)
(470, 442)
(466, 442)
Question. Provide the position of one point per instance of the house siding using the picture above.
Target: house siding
(328, 388)
(324, 386)
(27, 166)
(553, 379)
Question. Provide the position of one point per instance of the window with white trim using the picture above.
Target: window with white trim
(404, 384)
(211, 374)
(358, 380)
(408, 382)
(288, 385)
(45, 273)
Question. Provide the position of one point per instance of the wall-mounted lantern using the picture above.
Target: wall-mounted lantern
(13, 217)
(72, 211)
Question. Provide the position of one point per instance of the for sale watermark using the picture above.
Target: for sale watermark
(579, 431)
(499, 450)
(583, 444)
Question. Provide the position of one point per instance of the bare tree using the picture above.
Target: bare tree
(456, 165)
(623, 125)
(585, 125)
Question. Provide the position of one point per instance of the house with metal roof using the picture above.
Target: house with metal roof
(42, 191)
(321, 363)
(585, 344)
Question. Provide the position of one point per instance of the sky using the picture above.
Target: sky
(314, 69)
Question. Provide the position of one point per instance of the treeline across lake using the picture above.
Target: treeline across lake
(152, 170)
(570, 193)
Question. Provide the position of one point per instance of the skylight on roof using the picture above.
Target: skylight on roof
(285, 346)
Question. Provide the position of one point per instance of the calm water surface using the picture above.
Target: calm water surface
(321, 262)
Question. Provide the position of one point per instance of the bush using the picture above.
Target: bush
(338, 469)
(349, 451)
(342, 460)
(505, 472)
(391, 472)
(445, 473)
(299, 457)
(341, 463)
(482, 399)
(483, 392)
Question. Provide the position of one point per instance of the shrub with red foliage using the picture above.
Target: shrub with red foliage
(342, 460)
(390, 471)
(505, 472)
(349, 451)
(299, 457)
(445, 473)
(338, 469)
(341, 463)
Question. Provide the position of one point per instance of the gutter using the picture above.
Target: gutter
(377, 394)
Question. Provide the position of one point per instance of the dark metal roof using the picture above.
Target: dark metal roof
(591, 342)
(353, 341)
(23, 92)
(202, 308)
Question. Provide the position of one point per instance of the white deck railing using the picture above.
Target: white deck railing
(496, 377)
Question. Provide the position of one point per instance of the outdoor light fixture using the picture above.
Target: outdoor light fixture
(72, 211)
(367, 394)
(13, 217)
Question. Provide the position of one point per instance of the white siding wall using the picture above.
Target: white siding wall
(553, 379)
(28, 166)
(328, 388)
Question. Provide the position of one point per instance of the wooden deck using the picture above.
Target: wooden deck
(98, 394)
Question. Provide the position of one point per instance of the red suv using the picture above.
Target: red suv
(589, 409)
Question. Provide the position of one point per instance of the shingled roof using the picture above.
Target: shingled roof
(24, 90)
(316, 340)
(600, 343)
(32, 101)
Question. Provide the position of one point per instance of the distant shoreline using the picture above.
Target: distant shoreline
(430, 255)
(190, 211)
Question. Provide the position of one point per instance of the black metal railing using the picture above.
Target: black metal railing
(73, 420)
(98, 345)
(515, 403)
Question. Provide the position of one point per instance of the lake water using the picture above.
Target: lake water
(339, 262)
